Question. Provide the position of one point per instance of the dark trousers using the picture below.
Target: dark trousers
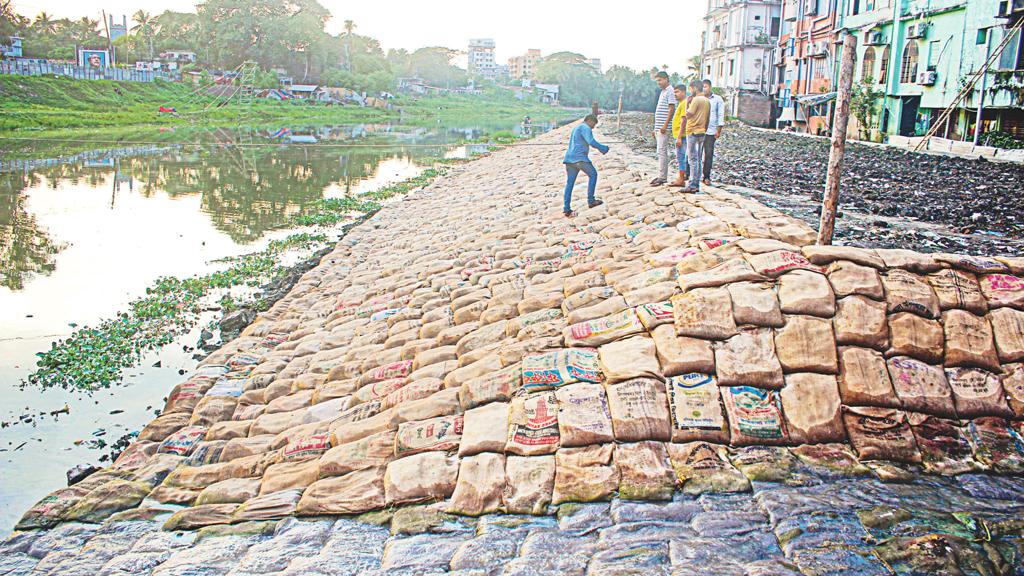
(709, 155)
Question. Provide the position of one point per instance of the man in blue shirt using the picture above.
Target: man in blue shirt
(577, 159)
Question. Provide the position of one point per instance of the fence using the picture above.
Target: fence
(85, 73)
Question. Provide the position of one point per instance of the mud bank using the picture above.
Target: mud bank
(483, 376)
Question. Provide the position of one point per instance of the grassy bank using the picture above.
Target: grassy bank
(34, 103)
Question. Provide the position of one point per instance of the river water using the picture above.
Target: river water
(84, 229)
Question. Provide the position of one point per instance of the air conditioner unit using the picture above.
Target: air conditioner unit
(875, 39)
(927, 78)
(810, 7)
(919, 30)
(819, 49)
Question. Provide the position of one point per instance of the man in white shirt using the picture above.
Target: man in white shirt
(715, 124)
(663, 113)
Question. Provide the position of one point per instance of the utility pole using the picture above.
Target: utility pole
(618, 115)
(835, 159)
(110, 43)
(984, 77)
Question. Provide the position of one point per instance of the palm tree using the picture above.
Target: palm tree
(85, 29)
(349, 27)
(144, 24)
(45, 24)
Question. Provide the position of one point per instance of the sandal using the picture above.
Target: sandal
(570, 214)
(597, 202)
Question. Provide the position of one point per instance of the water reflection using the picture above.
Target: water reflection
(26, 248)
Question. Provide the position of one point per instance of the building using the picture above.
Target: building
(921, 53)
(524, 67)
(481, 58)
(739, 39)
(594, 63)
(12, 48)
(117, 30)
(803, 66)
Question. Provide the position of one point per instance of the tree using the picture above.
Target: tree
(145, 27)
(864, 105)
(433, 65)
(44, 24)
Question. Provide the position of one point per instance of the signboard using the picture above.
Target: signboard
(94, 58)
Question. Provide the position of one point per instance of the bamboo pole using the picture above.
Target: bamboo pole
(840, 125)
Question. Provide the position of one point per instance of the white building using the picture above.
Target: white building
(481, 57)
(738, 40)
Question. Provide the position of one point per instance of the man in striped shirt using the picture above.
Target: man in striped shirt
(663, 113)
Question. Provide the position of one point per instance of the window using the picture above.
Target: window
(868, 66)
(1012, 57)
(908, 67)
(934, 53)
(732, 67)
(773, 29)
(982, 36)
(883, 72)
(854, 7)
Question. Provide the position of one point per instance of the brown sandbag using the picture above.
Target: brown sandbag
(977, 393)
(756, 304)
(353, 493)
(603, 330)
(633, 357)
(644, 471)
(199, 516)
(732, 270)
(480, 485)
(306, 447)
(533, 425)
(654, 314)
(289, 475)
(956, 289)
(583, 415)
(943, 445)
(915, 336)
(755, 416)
(1003, 290)
(804, 292)
(812, 407)
(420, 477)
(775, 264)
(497, 386)
(585, 474)
(969, 340)
(907, 292)
(703, 467)
(881, 434)
(704, 313)
(639, 410)
(849, 279)
(864, 379)
(860, 321)
(806, 344)
(232, 490)
(243, 447)
(163, 426)
(696, 408)
(439, 434)
(370, 452)
(529, 481)
(682, 354)
(1008, 330)
(921, 387)
(748, 359)
(1012, 380)
(485, 429)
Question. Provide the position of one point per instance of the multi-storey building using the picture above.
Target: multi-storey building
(594, 63)
(739, 38)
(523, 67)
(481, 57)
(803, 65)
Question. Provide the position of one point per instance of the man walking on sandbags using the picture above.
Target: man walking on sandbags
(698, 109)
(577, 159)
(663, 113)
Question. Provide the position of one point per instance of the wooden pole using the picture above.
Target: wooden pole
(835, 159)
(618, 115)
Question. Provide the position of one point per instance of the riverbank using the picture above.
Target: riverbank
(505, 389)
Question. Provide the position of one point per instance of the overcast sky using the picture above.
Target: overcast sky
(639, 34)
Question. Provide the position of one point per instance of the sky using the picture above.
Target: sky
(639, 34)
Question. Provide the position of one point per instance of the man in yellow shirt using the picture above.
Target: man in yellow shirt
(679, 134)
(698, 111)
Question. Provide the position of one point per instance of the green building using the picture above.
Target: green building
(921, 53)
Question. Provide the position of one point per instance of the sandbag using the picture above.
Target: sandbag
(585, 474)
(163, 426)
(849, 279)
(881, 434)
(583, 415)
(969, 340)
(560, 367)
(436, 434)
(639, 410)
(956, 289)
(755, 416)
(182, 442)
(602, 330)
(497, 386)
(995, 445)
(242, 447)
(682, 354)
(864, 379)
(289, 475)
(764, 463)
(860, 321)
(806, 344)
(695, 405)
(907, 292)
(921, 387)
(748, 359)
(529, 482)
(272, 506)
(373, 451)
(420, 477)
(232, 490)
(644, 471)
(533, 425)
(732, 270)
(306, 447)
(755, 304)
(655, 314)
(977, 393)
(628, 358)
(915, 336)
(812, 407)
(1008, 330)
(480, 485)
(199, 516)
(353, 493)
(485, 429)
(702, 467)
(1012, 380)
(836, 459)
(1003, 290)
(704, 313)
(804, 292)
(943, 445)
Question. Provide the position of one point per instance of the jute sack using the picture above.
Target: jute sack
(756, 304)
(969, 340)
(804, 292)
(977, 393)
(440, 434)
(849, 279)
(529, 482)
(480, 485)
(639, 410)
(864, 379)
(533, 425)
(354, 493)
(703, 467)
(289, 475)
(764, 463)
(748, 359)
(603, 330)
(370, 452)
(881, 434)
(232, 490)
(1003, 290)
(485, 429)
(956, 289)
(907, 292)
(812, 407)
(821, 255)
(696, 409)
(628, 358)
(560, 367)
(655, 314)
(644, 471)
(995, 445)
(860, 321)
(915, 336)
(806, 344)
(704, 313)
(1008, 330)
(585, 474)
(243, 447)
(921, 387)
(583, 415)
(943, 445)
(755, 416)
(682, 354)
(497, 386)
(733, 270)
(420, 477)
(1012, 380)
(775, 264)
(599, 309)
